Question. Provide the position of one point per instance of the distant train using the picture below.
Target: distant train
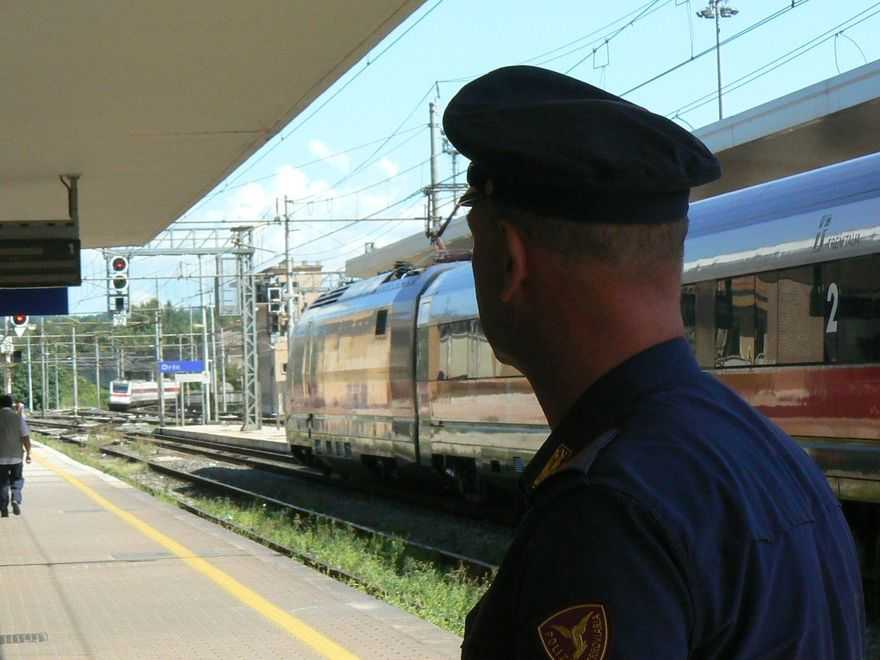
(781, 300)
(128, 394)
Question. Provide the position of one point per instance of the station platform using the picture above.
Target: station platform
(94, 568)
(268, 438)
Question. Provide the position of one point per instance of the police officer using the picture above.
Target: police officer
(665, 517)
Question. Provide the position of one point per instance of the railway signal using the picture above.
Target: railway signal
(19, 324)
(118, 289)
(276, 305)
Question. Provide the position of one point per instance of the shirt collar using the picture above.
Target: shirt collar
(608, 402)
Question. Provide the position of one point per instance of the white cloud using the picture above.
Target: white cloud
(388, 166)
(249, 203)
(341, 162)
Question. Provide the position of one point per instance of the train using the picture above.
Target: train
(780, 300)
(129, 394)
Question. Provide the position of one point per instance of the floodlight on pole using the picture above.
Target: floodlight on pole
(716, 10)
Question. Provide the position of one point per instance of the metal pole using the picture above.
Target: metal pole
(73, 360)
(97, 374)
(206, 390)
(30, 377)
(160, 377)
(433, 217)
(7, 375)
(289, 267)
(718, 55)
(182, 405)
(57, 386)
(223, 370)
(214, 380)
(192, 343)
(44, 377)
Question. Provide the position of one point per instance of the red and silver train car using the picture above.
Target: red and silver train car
(781, 300)
(128, 394)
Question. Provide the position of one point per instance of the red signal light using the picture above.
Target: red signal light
(19, 319)
(119, 264)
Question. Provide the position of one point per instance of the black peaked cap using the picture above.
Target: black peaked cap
(556, 145)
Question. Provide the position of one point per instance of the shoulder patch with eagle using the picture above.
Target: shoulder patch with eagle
(576, 633)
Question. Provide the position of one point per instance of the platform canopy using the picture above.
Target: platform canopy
(825, 123)
(154, 102)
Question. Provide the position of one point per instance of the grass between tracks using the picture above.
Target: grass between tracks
(383, 567)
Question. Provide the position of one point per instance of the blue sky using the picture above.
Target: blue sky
(384, 106)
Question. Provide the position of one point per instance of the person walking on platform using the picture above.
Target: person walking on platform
(14, 438)
(664, 517)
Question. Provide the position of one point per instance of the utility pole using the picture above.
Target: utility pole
(215, 374)
(7, 376)
(206, 390)
(44, 377)
(73, 359)
(97, 374)
(288, 267)
(160, 377)
(252, 413)
(433, 217)
(181, 406)
(718, 9)
(57, 385)
(30, 377)
(206, 408)
(223, 370)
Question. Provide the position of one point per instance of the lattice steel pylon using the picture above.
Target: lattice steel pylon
(252, 414)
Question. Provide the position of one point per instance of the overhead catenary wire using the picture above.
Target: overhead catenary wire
(783, 59)
(651, 6)
(731, 39)
(357, 74)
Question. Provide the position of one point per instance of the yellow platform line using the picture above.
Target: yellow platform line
(295, 627)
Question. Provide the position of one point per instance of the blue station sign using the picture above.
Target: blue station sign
(182, 367)
(33, 302)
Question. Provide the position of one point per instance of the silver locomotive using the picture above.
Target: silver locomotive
(781, 300)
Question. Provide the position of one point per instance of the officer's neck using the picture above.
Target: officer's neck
(582, 342)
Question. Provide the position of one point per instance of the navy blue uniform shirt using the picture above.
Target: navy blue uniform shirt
(669, 519)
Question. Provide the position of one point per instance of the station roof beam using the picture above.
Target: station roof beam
(155, 103)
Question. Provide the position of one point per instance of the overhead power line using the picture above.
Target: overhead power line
(784, 59)
(724, 42)
(649, 8)
(357, 74)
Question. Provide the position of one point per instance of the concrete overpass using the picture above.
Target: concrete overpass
(825, 123)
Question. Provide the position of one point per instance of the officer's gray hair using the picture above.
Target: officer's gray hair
(624, 245)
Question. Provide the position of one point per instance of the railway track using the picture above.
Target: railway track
(473, 567)
(280, 462)
(276, 462)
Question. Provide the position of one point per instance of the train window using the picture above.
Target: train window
(381, 322)
(765, 302)
(689, 314)
(798, 326)
(850, 304)
(455, 348)
(485, 365)
(735, 322)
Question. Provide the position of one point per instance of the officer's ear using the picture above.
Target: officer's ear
(516, 267)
